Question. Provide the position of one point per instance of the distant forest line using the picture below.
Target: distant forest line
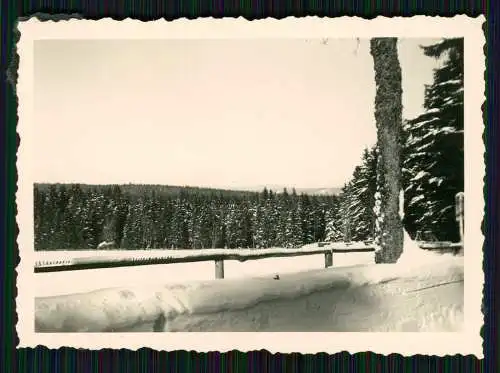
(79, 216)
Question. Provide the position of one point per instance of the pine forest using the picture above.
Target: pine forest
(80, 217)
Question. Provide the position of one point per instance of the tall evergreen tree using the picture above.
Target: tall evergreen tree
(359, 199)
(333, 232)
(434, 147)
(305, 216)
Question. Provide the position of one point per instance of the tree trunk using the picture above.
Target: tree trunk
(388, 116)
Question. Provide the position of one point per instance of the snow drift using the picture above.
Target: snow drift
(383, 297)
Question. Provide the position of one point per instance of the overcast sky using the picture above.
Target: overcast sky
(222, 113)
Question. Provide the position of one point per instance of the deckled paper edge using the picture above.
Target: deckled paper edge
(468, 342)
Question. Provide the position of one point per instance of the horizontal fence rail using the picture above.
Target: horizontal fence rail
(172, 257)
(217, 255)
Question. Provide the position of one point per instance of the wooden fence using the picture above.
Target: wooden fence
(218, 256)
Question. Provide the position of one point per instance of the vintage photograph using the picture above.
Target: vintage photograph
(268, 184)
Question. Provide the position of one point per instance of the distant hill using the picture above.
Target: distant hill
(141, 189)
(309, 191)
(133, 189)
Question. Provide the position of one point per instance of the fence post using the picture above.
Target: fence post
(219, 269)
(328, 259)
(459, 214)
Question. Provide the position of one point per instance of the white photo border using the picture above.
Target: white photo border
(467, 342)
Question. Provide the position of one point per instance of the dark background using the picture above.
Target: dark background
(72, 360)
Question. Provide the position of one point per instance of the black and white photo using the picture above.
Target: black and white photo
(318, 177)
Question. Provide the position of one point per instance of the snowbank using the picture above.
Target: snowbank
(383, 297)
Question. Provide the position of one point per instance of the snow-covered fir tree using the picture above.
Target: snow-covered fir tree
(306, 218)
(132, 232)
(333, 229)
(358, 200)
(434, 148)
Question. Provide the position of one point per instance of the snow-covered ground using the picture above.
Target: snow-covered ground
(182, 297)
(67, 282)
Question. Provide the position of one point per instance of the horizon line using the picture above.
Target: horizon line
(220, 187)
